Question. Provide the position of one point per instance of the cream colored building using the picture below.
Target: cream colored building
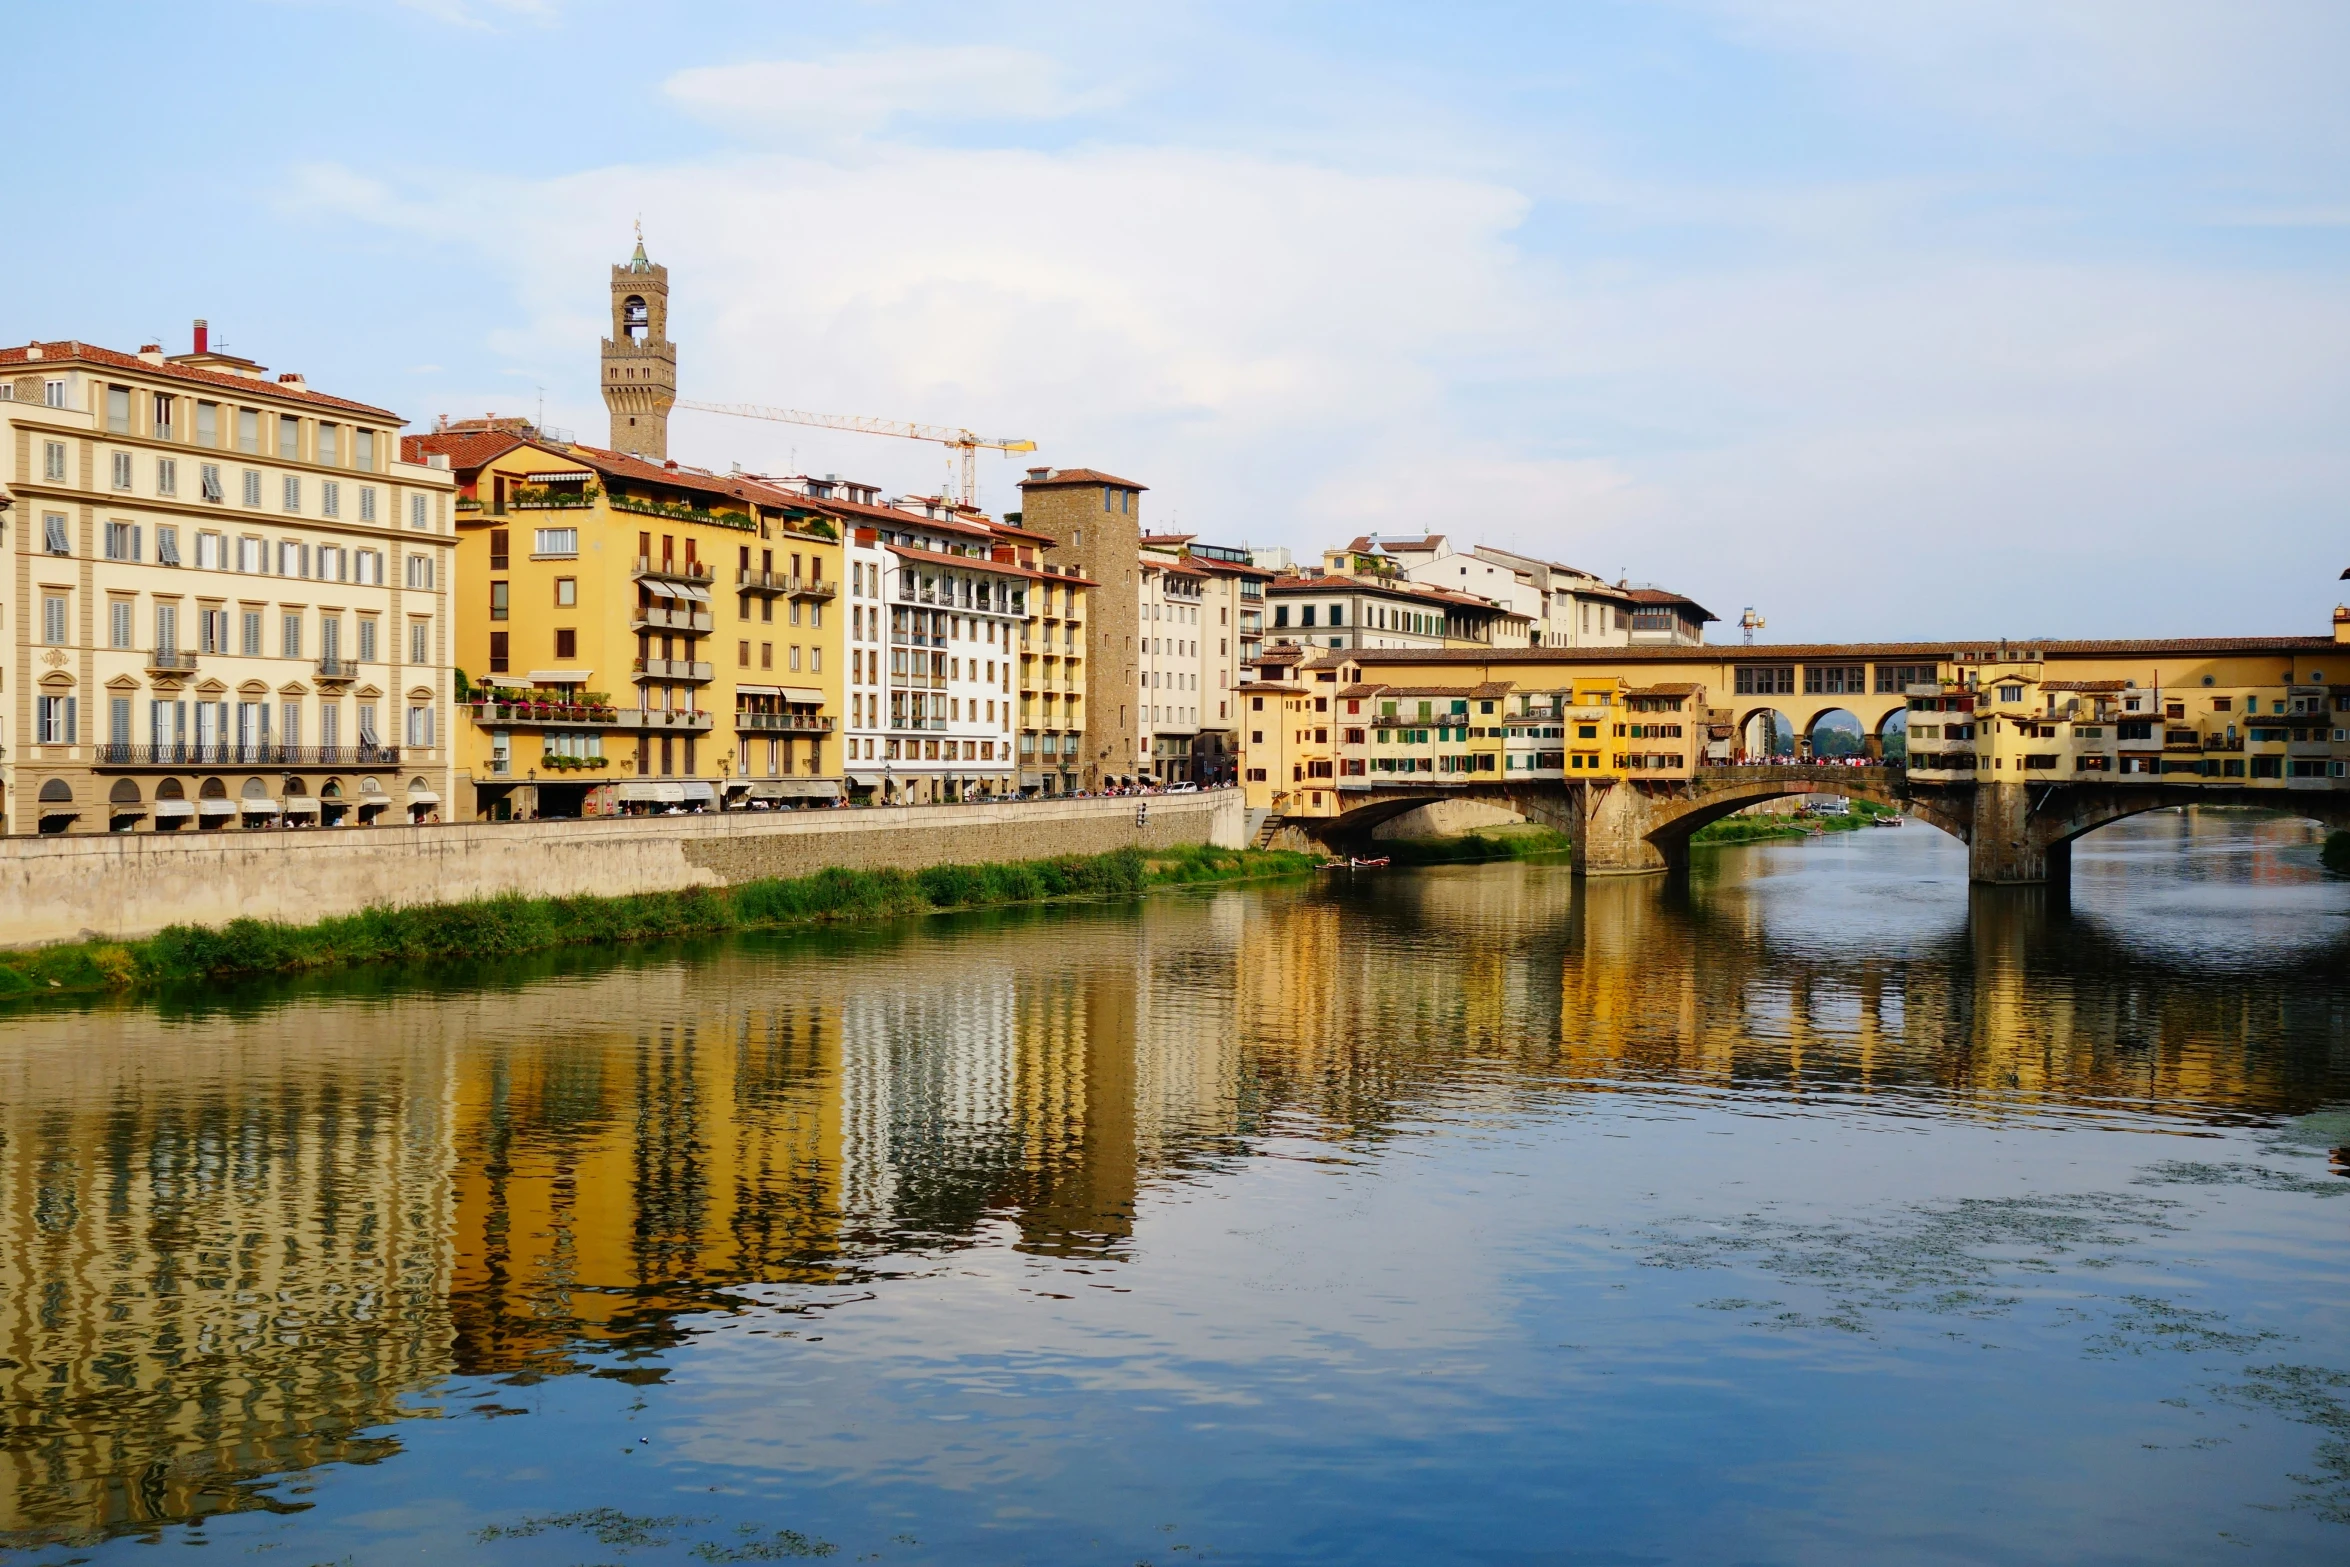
(227, 602)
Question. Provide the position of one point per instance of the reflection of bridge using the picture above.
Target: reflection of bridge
(2021, 749)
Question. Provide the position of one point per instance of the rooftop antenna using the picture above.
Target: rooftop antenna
(1750, 623)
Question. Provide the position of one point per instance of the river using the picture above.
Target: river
(1816, 1209)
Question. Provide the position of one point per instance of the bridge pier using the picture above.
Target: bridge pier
(2006, 847)
(1612, 836)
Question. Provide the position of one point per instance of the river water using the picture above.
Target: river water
(1816, 1210)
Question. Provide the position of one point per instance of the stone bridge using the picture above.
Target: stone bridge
(2014, 833)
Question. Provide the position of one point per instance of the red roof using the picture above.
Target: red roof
(1061, 476)
(1002, 568)
(246, 386)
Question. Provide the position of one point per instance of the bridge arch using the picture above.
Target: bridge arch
(2059, 832)
(1673, 828)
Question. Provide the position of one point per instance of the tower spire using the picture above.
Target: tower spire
(640, 363)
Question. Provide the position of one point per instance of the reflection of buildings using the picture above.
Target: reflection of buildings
(234, 1243)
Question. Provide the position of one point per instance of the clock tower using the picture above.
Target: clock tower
(640, 363)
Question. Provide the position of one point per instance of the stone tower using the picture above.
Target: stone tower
(640, 363)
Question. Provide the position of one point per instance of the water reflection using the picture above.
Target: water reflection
(240, 1238)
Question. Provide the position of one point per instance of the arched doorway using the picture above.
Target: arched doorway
(1766, 735)
(57, 807)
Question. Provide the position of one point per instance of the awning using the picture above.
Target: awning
(580, 477)
(734, 785)
(560, 677)
(424, 797)
(696, 791)
(301, 805)
(258, 807)
(633, 793)
(801, 694)
(658, 588)
(514, 682)
(694, 591)
(864, 780)
(175, 808)
(745, 688)
(216, 807)
(807, 789)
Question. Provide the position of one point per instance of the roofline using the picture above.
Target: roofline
(74, 349)
(1988, 650)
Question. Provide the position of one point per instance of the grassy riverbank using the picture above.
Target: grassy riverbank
(1754, 829)
(500, 927)
(1517, 843)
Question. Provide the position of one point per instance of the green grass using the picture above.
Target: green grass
(1522, 843)
(1751, 829)
(504, 927)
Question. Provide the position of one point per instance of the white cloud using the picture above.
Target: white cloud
(850, 95)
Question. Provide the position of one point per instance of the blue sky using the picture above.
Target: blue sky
(1934, 319)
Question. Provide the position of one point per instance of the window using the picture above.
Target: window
(420, 571)
(211, 551)
(363, 451)
(501, 549)
(499, 643)
(118, 623)
(122, 540)
(289, 723)
(58, 720)
(252, 487)
(167, 544)
(249, 430)
(118, 410)
(289, 437)
(122, 470)
(1766, 679)
(418, 517)
(53, 461)
(367, 731)
(1834, 679)
(420, 642)
(555, 541)
(212, 630)
(566, 642)
(208, 481)
(366, 500)
(499, 600)
(290, 630)
(53, 394)
(293, 559)
(367, 638)
(293, 492)
(53, 619)
(566, 592)
(208, 424)
(53, 537)
(368, 568)
(742, 655)
(420, 727)
(2011, 693)
(252, 555)
(330, 497)
(167, 476)
(328, 446)
(250, 626)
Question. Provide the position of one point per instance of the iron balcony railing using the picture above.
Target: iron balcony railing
(673, 669)
(664, 718)
(338, 669)
(566, 714)
(789, 723)
(171, 661)
(233, 755)
(896, 722)
(658, 618)
(813, 588)
(669, 569)
(747, 580)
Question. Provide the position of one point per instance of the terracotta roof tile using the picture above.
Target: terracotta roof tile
(1061, 476)
(90, 353)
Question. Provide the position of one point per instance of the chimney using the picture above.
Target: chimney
(2342, 622)
(293, 378)
(151, 353)
(203, 336)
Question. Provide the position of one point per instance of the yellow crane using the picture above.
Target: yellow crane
(962, 441)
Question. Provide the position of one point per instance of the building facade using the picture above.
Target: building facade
(637, 636)
(1094, 523)
(227, 599)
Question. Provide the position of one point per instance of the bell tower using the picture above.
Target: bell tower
(640, 363)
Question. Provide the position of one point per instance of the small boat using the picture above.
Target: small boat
(1367, 865)
(1884, 821)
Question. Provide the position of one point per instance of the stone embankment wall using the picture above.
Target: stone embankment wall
(133, 884)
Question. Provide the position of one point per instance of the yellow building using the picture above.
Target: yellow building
(1288, 763)
(638, 636)
(228, 600)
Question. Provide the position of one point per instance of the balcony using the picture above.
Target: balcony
(338, 669)
(693, 622)
(669, 570)
(171, 661)
(784, 723)
(748, 581)
(671, 719)
(687, 669)
(541, 715)
(896, 722)
(233, 755)
(813, 588)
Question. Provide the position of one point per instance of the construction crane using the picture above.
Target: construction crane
(1750, 623)
(962, 441)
